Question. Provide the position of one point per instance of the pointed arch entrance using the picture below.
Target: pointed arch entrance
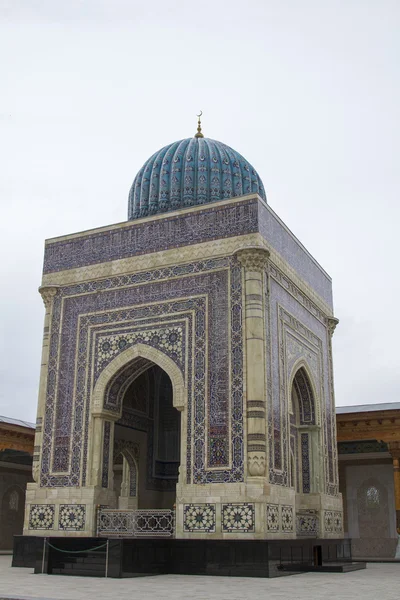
(305, 460)
(138, 403)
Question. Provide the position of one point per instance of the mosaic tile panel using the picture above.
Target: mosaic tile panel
(238, 518)
(305, 463)
(272, 517)
(167, 339)
(307, 524)
(72, 517)
(106, 453)
(287, 518)
(41, 516)
(199, 518)
(217, 283)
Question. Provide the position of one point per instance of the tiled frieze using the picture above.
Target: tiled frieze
(198, 226)
(272, 518)
(41, 516)
(91, 313)
(199, 518)
(71, 517)
(287, 519)
(238, 518)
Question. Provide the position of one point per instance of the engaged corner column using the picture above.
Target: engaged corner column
(47, 292)
(254, 261)
(394, 449)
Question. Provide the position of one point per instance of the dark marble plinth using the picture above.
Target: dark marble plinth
(138, 557)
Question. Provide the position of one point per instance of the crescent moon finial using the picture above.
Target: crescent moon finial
(199, 134)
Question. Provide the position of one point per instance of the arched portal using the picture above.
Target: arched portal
(137, 405)
(304, 435)
(151, 423)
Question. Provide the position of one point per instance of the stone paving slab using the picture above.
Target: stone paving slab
(378, 581)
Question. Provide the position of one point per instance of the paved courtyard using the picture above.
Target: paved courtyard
(377, 581)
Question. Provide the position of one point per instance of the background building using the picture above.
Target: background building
(16, 450)
(369, 476)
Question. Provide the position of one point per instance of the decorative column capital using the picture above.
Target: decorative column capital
(331, 325)
(48, 292)
(253, 259)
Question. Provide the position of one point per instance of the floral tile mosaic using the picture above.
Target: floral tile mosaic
(287, 518)
(72, 517)
(272, 517)
(238, 518)
(199, 518)
(41, 516)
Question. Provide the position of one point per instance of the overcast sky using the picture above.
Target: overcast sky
(307, 91)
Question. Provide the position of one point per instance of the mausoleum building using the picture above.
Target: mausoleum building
(187, 365)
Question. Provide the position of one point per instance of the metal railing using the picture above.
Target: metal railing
(136, 523)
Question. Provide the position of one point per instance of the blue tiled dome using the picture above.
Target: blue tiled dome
(188, 173)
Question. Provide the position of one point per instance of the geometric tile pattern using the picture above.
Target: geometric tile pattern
(72, 517)
(328, 521)
(199, 518)
(272, 517)
(338, 522)
(238, 518)
(167, 339)
(287, 518)
(41, 516)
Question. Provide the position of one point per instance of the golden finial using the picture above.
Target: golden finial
(199, 134)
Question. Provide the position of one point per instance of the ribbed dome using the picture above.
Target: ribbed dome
(191, 172)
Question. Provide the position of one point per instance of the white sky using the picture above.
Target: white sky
(307, 91)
